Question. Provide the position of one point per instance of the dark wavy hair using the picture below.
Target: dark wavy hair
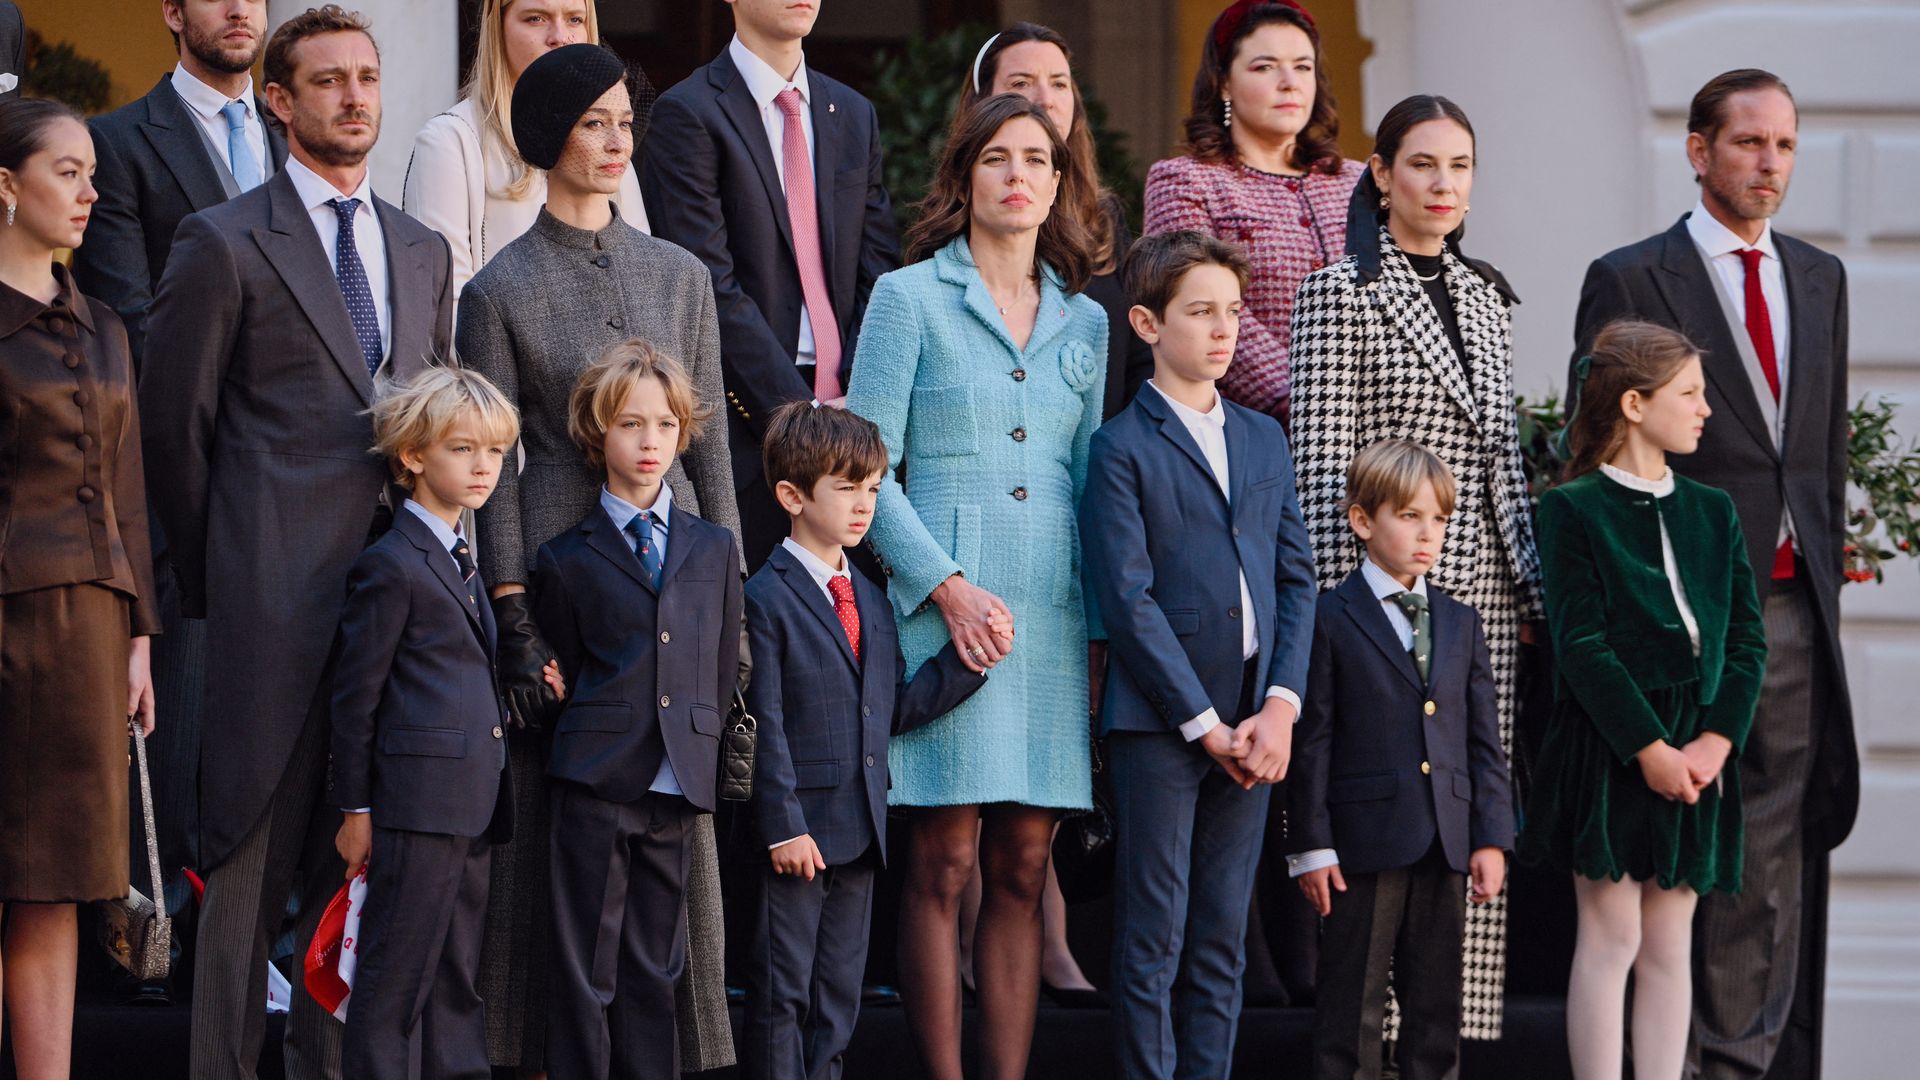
(1099, 208)
(1626, 355)
(947, 210)
(1315, 149)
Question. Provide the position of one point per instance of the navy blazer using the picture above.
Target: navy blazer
(646, 673)
(820, 767)
(1380, 760)
(1161, 544)
(417, 713)
(711, 185)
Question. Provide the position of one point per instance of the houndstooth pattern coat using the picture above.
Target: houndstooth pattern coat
(1371, 360)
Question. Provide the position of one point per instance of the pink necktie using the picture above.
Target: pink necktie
(804, 217)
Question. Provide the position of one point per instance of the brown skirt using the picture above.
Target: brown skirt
(63, 745)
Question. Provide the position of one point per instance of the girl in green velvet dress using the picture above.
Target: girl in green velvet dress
(1657, 633)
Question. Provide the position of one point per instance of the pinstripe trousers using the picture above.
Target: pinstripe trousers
(242, 913)
(1746, 946)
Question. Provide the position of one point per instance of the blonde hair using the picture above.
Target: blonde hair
(610, 380)
(1390, 473)
(416, 414)
(490, 87)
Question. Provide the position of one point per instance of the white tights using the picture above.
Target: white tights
(1632, 926)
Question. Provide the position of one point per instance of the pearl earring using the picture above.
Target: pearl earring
(1226, 112)
(9, 215)
(1385, 203)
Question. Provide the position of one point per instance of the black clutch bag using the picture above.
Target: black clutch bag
(736, 752)
(1083, 846)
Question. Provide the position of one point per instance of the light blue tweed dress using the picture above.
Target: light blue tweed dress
(995, 441)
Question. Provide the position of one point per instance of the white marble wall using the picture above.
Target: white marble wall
(1581, 110)
(419, 69)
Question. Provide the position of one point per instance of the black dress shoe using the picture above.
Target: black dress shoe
(878, 994)
(1075, 999)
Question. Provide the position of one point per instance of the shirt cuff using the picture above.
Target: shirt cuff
(1197, 728)
(362, 810)
(785, 842)
(1287, 696)
(1308, 861)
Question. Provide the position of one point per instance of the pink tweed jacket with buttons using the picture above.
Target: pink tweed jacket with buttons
(1290, 226)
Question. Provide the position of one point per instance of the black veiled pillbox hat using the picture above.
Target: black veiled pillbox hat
(554, 92)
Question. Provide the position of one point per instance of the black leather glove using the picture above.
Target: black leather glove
(522, 656)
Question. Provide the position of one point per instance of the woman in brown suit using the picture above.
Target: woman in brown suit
(76, 582)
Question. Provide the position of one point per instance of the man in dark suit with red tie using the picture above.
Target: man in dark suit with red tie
(1770, 313)
(770, 172)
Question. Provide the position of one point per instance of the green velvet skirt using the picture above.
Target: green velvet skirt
(1590, 814)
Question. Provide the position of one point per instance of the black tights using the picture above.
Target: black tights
(1013, 844)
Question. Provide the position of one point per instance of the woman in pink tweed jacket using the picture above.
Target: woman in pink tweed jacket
(1262, 170)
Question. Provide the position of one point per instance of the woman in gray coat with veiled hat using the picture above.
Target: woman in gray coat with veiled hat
(581, 279)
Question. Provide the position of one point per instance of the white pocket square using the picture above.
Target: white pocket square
(8, 80)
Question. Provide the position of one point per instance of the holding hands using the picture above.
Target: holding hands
(1264, 741)
(979, 622)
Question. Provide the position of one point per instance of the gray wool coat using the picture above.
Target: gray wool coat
(531, 320)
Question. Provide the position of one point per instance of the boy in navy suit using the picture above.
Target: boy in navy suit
(1399, 784)
(641, 603)
(419, 753)
(829, 687)
(1197, 556)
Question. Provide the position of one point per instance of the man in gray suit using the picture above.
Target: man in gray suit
(197, 139)
(278, 307)
(1770, 314)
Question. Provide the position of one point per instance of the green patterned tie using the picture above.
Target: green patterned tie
(1415, 607)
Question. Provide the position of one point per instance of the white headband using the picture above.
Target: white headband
(979, 56)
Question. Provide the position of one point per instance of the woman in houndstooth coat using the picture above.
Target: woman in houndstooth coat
(1406, 337)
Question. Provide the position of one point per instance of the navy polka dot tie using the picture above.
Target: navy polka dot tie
(352, 274)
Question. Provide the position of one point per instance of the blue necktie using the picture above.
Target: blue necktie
(352, 274)
(641, 527)
(240, 160)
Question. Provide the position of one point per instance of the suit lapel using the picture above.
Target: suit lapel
(291, 245)
(440, 563)
(807, 591)
(1809, 299)
(1150, 402)
(1238, 456)
(1364, 609)
(1683, 283)
(736, 101)
(169, 130)
(604, 538)
(826, 151)
(409, 306)
(680, 537)
(1448, 625)
(1408, 309)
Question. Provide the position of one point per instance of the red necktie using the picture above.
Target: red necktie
(1760, 331)
(842, 590)
(804, 216)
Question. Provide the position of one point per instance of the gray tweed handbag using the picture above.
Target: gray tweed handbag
(134, 930)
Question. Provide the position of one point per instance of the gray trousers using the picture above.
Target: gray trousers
(241, 915)
(1188, 844)
(1746, 946)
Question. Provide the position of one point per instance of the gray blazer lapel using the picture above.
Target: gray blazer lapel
(187, 159)
(826, 142)
(293, 248)
(409, 305)
(1810, 335)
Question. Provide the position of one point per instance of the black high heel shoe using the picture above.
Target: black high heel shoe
(1075, 999)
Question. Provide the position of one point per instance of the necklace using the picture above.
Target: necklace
(1426, 277)
(1015, 302)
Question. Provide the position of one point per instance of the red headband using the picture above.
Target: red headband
(1228, 24)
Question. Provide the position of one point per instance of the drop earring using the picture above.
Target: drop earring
(1226, 112)
(9, 215)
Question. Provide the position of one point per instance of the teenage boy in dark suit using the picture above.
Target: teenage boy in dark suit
(829, 687)
(641, 602)
(1197, 556)
(1399, 785)
(419, 754)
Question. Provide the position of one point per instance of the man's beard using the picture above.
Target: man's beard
(317, 138)
(228, 60)
(1738, 197)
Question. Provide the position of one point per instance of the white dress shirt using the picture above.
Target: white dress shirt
(1660, 489)
(205, 103)
(765, 84)
(1209, 430)
(1721, 248)
(316, 195)
(821, 574)
(1386, 588)
(622, 512)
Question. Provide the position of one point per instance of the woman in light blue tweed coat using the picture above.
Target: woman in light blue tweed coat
(985, 370)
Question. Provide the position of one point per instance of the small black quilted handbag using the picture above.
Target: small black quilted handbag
(736, 752)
